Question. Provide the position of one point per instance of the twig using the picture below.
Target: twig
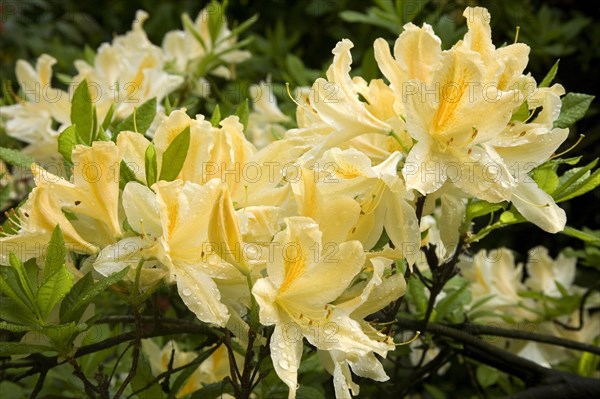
(90, 389)
(112, 373)
(166, 374)
(442, 358)
(584, 299)
(39, 384)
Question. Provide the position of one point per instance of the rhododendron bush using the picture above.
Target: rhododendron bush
(164, 249)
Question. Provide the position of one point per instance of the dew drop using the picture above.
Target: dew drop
(186, 292)
(284, 364)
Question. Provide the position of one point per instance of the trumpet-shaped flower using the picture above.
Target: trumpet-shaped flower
(186, 53)
(337, 105)
(367, 297)
(127, 72)
(180, 217)
(382, 199)
(32, 119)
(302, 281)
(495, 279)
(86, 208)
(265, 122)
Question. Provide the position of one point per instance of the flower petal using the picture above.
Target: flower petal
(538, 207)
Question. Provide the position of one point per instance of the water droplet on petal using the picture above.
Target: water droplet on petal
(186, 292)
(284, 364)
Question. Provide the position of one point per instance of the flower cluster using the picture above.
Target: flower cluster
(309, 234)
(121, 76)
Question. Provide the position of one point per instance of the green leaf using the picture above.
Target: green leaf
(576, 181)
(546, 178)
(53, 289)
(215, 19)
(456, 300)
(212, 391)
(19, 348)
(62, 335)
(144, 115)
(18, 313)
(243, 112)
(11, 390)
(239, 29)
(308, 392)
(189, 25)
(11, 287)
(126, 175)
(150, 165)
(560, 161)
(174, 156)
(509, 217)
(371, 19)
(33, 274)
(434, 391)
(383, 240)
(216, 116)
(15, 157)
(23, 278)
(297, 70)
(108, 117)
(67, 140)
(168, 106)
(95, 124)
(88, 294)
(588, 364)
(71, 299)
(82, 113)
(487, 376)
(13, 327)
(574, 107)
(581, 235)
(479, 208)
(582, 186)
(522, 113)
(102, 136)
(55, 253)
(89, 54)
(416, 294)
(550, 76)
(142, 378)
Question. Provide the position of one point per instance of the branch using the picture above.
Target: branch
(151, 329)
(480, 329)
(572, 388)
(90, 389)
(137, 343)
(531, 373)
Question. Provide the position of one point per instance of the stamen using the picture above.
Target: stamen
(373, 199)
(143, 233)
(134, 120)
(581, 136)
(410, 341)
(287, 89)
